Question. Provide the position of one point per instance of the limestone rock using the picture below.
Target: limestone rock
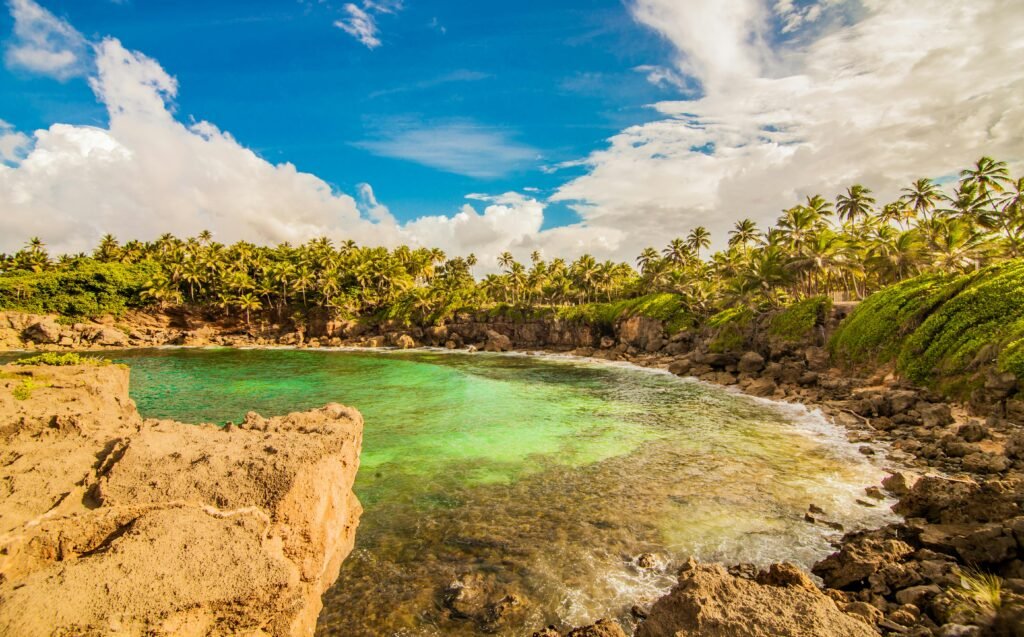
(709, 602)
(161, 528)
(45, 331)
(750, 363)
(497, 342)
(862, 555)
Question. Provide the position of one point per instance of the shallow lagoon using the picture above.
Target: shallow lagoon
(544, 476)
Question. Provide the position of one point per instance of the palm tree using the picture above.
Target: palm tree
(698, 238)
(922, 197)
(648, 257)
(248, 302)
(743, 234)
(988, 175)
(678, 252)
(506, 260)
(855, 204)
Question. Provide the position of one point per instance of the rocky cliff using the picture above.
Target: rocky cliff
(117, 526)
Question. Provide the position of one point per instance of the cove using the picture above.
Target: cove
(538, 479)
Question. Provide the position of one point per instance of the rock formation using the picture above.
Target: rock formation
(117, 526)
(710, 602)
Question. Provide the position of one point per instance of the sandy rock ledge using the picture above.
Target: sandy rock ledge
(111, 525)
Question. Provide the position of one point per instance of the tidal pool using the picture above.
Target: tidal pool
(541, 477)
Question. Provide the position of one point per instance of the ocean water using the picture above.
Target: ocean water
(542, 478)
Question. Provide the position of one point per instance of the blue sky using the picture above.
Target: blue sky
(503, 91)
(601, 126)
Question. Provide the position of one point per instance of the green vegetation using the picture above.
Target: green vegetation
(846, 248)
(62, 360)
(82, 287)
(942, 330)
(730, 329)
(797, 321)
(24, 389)
(979, 592)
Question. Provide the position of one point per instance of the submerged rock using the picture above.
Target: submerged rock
(161, 528)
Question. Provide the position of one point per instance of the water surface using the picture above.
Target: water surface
(542, 477)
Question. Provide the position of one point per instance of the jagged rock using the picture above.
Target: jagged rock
(763, 387)
(709, 602)
(861, 555)
(405, 342)
(1015, 445)
(817, 358)
(110, 337)
(45, 331)
(973, 431)
(750, 363)
(497, 342)
(935, 414)
(164, 528)
(982, 462)
(944, 501)
(899, 483)
(682, 366)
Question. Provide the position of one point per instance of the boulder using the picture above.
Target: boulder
(862, 554)
(763, 387)
(111, 337)
(682, 366)
(945, 501)
(45, 331)
(750, 363)
(405, 342)
(709, 602)
(497, 342)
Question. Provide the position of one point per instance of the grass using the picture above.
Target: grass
(979, 590)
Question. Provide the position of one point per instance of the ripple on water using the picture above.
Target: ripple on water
(544, 476)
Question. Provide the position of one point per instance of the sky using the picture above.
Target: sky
(600, 126)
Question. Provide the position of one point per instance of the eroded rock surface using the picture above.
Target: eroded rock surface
(117, 526)
(710, 602)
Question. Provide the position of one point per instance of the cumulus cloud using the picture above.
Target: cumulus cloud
(12, 143)
(44, 43)
(913, 88)
(147, 173)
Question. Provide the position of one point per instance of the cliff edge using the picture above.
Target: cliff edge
(117, 526)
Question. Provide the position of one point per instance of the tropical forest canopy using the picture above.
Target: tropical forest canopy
(845, 248)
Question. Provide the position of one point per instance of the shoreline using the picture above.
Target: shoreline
(941, 458)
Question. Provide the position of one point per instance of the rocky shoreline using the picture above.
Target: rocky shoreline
(965, 515)
(117, 526)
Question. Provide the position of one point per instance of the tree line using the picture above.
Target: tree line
(845, 248)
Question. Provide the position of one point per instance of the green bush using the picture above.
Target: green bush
(670, 309)
(24, 389)
(62, 360)
(84, 289)
(796, 322)
(730, 328)
(941, 330)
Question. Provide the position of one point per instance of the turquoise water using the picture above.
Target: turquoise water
(542, 477)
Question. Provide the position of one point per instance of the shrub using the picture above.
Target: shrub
(83, 289)
(24, 389)
(62, 360)
(730, 328)
(797, 322)
(942, 330)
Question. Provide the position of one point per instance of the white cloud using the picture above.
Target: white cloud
(461, 148)
(44, 43)
(662, 76)
(361, 22)
(914, 88)
(12, 143)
